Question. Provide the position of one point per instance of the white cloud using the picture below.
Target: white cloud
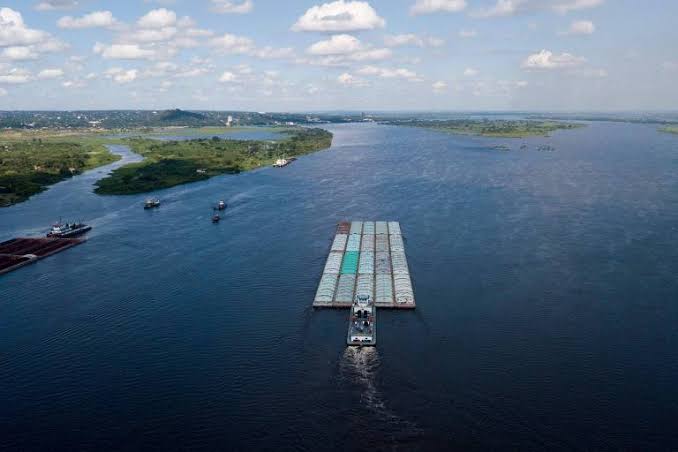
(19, 53)
(467, 34)
(158, 18)
(272, 53)
(581, 27)
(15, 76)
(230, 43)
(390, 73)
(439, 86)
(120, 75)
(73, 83)
(470, 72)
(51, 5)
(50, 73)
(349, 79)
(512, 7)
(411, 39)
(336, 45)
(151, 34)
(339, 15)
(3, 92)
(123, 51)
(434, 6)
(13, 31)
(548, 60)
(95, 19)
(228, 77)
(232, 7)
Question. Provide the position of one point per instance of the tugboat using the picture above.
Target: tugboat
(65, 230)
(151, 203)
(221, 205)
(362, 327)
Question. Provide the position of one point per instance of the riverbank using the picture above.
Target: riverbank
(29, 163)
(494, 128)
(171, 163)
(670, 129)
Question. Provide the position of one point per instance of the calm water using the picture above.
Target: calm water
(546, 288)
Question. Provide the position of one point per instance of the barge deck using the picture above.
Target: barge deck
(16, 253)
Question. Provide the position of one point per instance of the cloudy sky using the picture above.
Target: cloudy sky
(272, 55)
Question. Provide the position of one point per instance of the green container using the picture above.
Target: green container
(350, 263)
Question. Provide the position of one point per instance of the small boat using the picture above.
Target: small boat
(280, 163)
(221, 205)
(64, 230)
(151, 203)
(215, 218)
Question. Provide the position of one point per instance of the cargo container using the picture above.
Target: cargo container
(339, 242)
(356, 227)
(345, 286)
(382, 263)
(344, 227)
(383, 289)
(350, 262)
(365, 285)
(366, 263)
(394, 227)
(381, 243)
(399, 262)
(367, 243)
(368, 228)
(326, 287)
(333, 264)
(403, 289)
(380, 227)
(353, 243)
(396, 242)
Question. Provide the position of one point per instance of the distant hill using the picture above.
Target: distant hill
(181, 116)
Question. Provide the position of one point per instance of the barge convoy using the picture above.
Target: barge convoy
(366, 269)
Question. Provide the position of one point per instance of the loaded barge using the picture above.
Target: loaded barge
(16, 253)
(366, 266)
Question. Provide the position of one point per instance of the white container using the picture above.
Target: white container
(368, 228)
(366, 263)
(384, 289)
(365, 285)
(353, 243)
(339, 242)
(326, 287)
(381, 227)
(381, 244)
(367, 243)
(399, 262)
(397, 243)
(382, 263)
(394, 227)
(356, 227)
(344, 292)
(333, 264)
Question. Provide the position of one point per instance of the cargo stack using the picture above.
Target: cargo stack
(366, 258)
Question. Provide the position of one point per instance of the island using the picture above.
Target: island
(673, 128)
(170, 163)
(31, 161)
(496, 128)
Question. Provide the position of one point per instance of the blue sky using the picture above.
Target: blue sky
(294, 55)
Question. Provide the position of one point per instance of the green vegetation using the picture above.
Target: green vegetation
(497, 128)
(28, 166)
(172, 163)
(670, 129)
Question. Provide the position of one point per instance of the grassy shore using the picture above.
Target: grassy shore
(171, 163)
(31, 161)
(670, 129)
(496, 128)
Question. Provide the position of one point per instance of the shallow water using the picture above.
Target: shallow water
(545, 285)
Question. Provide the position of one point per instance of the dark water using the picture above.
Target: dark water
(546, 287)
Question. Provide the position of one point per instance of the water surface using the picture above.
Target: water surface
(545, 281)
